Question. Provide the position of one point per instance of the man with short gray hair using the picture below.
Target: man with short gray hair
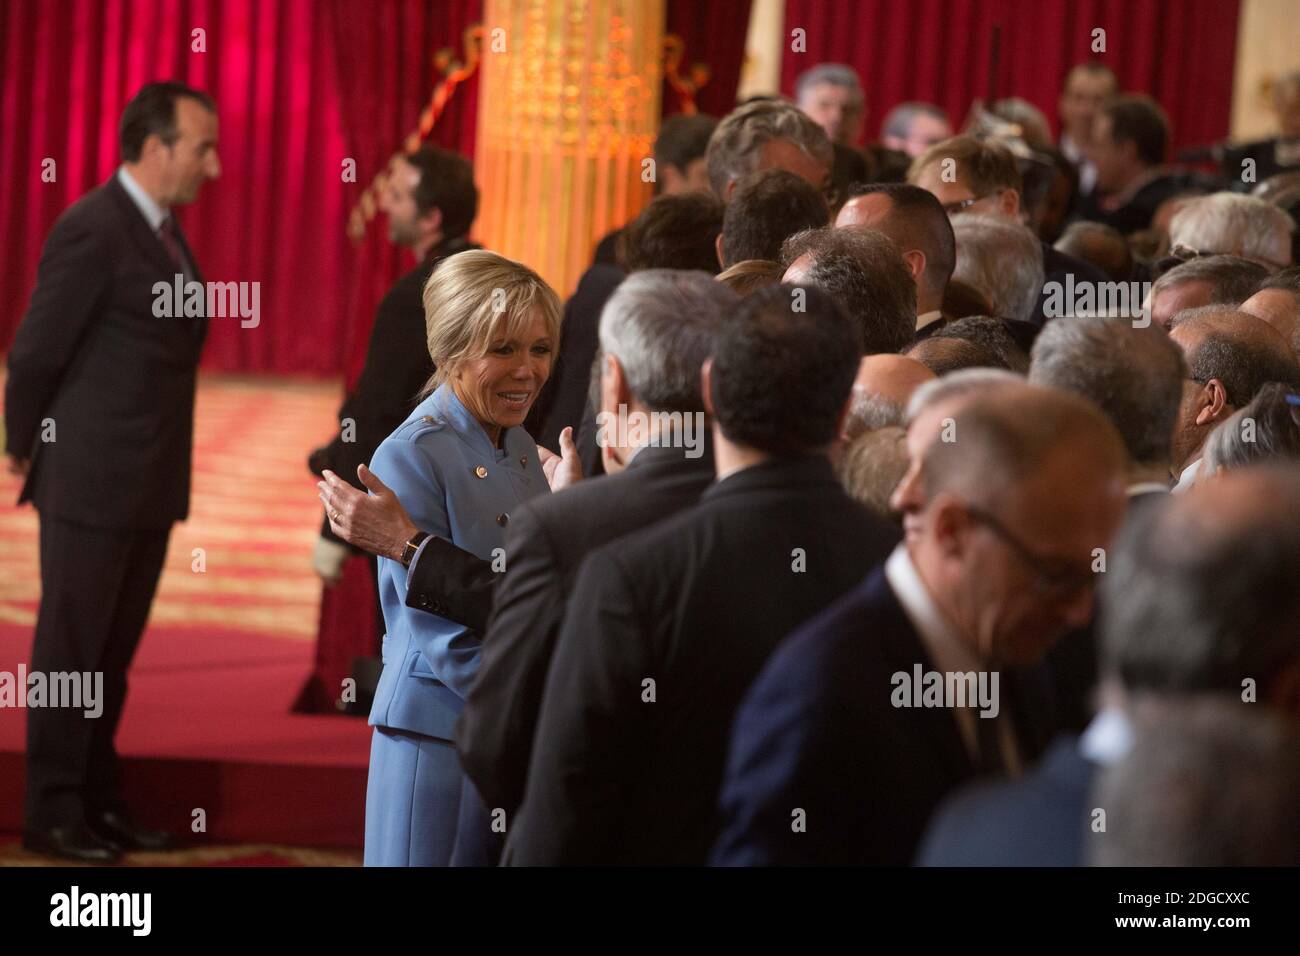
(1210, 280)
(1004, 261)
(767, 134)
(1230, 355)
(1200, 594)
(914, 127)
(1134, 375)
(831, 94)
(1236, 225)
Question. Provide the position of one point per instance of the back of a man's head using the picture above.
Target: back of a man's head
(1134, 375)
(683, 139)
(914, 219)
(784, 360)
(866, 275)
(765, 209)
(992, 334)
(1138, 119)
(673, 232)
(446, 184)
(659, 324)
(1004, 261)
(1239, 350)
(1207, 782)
(943, 356)
(736, 146)
(1232, 224)
(1102, 245)
(1202, 594)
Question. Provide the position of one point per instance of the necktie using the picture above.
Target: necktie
(167, 233)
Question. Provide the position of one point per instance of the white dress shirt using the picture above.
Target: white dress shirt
(152, 212)
(948, 653)
(928, 318)
(1188, 476)
(1107, 738)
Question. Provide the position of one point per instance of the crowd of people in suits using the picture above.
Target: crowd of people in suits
(961, 573)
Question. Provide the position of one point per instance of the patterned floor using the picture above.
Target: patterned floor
(253, 512)
(252, 854)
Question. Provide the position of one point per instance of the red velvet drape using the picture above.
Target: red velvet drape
(714, 34)
(300, 85)
(1179, 51)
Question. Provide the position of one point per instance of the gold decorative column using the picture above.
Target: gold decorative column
(568, 111)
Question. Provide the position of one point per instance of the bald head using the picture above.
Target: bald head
(1280, 308)
(881, 391)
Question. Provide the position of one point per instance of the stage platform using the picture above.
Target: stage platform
(209, 723)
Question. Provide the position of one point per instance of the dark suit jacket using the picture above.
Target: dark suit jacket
(397, 367)
(546, 544)
(1135, 214)
(818, 733)
(1055, 267)
(1037, 820)
(117, 381)
(694, 605)
(564, 399)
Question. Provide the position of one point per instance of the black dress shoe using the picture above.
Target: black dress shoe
(75, 841)
(126, 833)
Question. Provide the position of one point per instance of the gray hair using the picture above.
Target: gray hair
(871, 466)
(1232, 280)
(735, 146)
(898, 122)
(1207, 782)
(827, 74)
(1001, 259)
(967, 382)
(659, 324)
(1192, 605)
(1135, 375)
(1233, 224)
(1268, 428)
(1242, 363)
(868, 412)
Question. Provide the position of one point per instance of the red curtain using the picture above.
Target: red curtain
(714, 34)
(300, 86)
(1179, 51)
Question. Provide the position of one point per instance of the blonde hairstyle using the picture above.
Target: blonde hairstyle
(872, 465)
(750, 275)
(475, 298)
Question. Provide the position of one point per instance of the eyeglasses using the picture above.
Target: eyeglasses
(961, 205)
(1051, 575)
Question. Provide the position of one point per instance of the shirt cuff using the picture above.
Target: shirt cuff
(415, 558)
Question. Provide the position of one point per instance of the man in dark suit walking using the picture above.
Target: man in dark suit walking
(656, 332)
(666, 627)
(99, 410)
(905, 688)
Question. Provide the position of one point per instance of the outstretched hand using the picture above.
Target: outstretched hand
(375, 522)
(565, 468)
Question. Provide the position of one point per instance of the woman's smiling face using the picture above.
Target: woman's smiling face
(500, 388)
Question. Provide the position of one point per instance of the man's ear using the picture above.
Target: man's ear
(949, 524)
(431, 222)
(1213, 403)
(915, 260)
(706, 386)
(1009, 203)
(717, 245)
(613, 384)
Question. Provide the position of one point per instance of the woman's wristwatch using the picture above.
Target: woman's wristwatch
(412, 546)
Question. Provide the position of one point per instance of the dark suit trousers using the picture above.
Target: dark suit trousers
(96, 588)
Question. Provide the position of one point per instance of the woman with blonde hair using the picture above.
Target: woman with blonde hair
(459, 464)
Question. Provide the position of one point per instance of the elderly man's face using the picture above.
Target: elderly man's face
(836, 109)
(924, 131)
(1031, 558)
(1171, 300)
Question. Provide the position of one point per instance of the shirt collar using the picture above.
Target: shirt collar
(152, 212)
(1145, 488)
(946, 650)
(1188, 476)
(928, 318)
(1108, 738)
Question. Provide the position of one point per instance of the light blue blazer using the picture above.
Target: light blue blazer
(455, 484)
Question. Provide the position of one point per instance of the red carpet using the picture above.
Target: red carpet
(209, 723)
